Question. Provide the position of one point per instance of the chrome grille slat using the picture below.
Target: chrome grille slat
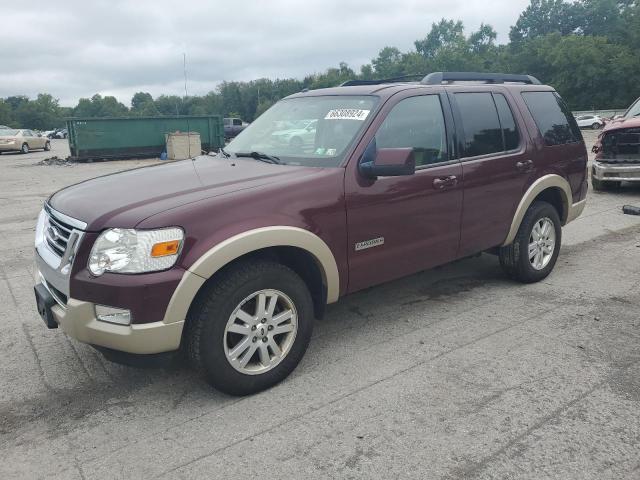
(58, 231)
(65, 228)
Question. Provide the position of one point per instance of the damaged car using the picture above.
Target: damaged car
(618, 151)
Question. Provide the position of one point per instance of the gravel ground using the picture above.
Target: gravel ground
(452, 373)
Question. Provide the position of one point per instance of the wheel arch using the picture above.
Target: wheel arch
(292, 245)
(551, 188)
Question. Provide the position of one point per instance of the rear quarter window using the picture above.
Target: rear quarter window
(554, 120)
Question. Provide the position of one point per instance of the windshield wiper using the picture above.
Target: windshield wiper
(263, 157)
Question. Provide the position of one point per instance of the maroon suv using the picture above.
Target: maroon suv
(230, 257)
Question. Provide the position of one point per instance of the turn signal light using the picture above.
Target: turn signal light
(164, 249)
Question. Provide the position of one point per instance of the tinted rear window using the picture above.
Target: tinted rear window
(553, 118)
(482, 133)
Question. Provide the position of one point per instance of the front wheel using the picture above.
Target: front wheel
(250, 327)
(595, 126)
(533, 253)
(47, 147)
(25, 148)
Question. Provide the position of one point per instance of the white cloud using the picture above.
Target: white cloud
(76, 48)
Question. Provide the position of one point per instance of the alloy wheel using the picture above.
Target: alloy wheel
(542, 243)
(260, 332)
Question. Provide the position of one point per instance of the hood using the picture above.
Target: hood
(633, 122)
(125, 199)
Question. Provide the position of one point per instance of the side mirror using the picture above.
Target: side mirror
(387, 162)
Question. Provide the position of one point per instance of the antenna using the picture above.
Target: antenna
(186, 94)
(184, 68)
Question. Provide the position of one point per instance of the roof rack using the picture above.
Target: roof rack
(354, 83)
(437, 78)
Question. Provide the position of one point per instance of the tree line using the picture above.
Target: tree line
(587, 49)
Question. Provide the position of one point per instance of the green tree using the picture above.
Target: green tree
(6, 114)
(388, 63)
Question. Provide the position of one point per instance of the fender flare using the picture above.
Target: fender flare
(543, 183)
(250, 241)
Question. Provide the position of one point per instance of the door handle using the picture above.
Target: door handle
(525, 166)
(443, 182)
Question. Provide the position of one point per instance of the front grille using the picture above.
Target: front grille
(57, 234)
(622, 146)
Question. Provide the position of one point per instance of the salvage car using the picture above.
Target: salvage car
(23, 140)
(229, 258)
(618, 151)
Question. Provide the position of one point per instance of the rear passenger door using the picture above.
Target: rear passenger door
(497, 164)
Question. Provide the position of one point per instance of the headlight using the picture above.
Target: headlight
(135, 251)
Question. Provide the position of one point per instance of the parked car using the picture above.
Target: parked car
(48, 133)
(22, 140)
(594, 122)
(618, 151)
(62, 133)
(297, 137)
(231, 257)
(233, 126)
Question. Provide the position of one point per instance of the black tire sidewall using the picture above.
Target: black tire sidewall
(537, 211)
(23, 149)
(213, 359)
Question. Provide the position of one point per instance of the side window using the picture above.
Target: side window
(482, 132)
(509, 128)
(227, 122)
(553, 118)
(237, 121)
(418, 123)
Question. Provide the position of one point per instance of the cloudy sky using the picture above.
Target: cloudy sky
(75, 48)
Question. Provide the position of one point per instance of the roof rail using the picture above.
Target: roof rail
(438, 78)
(354, 83)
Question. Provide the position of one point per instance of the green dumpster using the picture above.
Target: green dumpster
(130, 137)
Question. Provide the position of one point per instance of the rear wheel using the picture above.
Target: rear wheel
(47, 146)
(596, 126)
(250, 328)
(24, 148)
(533, 253)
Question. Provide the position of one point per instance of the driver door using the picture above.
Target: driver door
(402, 225)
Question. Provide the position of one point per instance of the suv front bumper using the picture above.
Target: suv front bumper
(78, 320)
(616, 172)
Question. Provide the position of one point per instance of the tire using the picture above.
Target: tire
(208, 343)
(595, 126)
(47, 146)
(24, 148)
(514, 258)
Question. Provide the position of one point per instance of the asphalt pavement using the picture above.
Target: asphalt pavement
(452, 373)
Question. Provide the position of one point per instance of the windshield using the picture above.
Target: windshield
(309, 131)
(8, 133)
(634, 110)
